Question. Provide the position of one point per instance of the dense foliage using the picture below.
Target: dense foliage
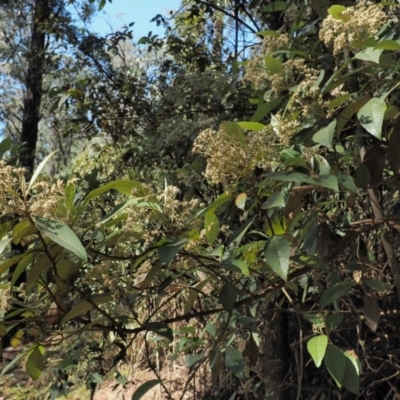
(238, 206)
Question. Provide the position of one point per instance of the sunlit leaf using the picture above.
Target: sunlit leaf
(277, 255)
(62, 235)
(316, 346)
(35, 362)
(371, 116)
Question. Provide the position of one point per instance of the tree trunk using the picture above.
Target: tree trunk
(34, 79)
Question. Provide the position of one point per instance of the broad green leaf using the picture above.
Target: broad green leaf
(102, 3)
(35, 362)
(211, 226)
(348, 113)
(227, 297)
(316, 346)
(272, 65)
(388, 45)
(275, 6)
(168, 251)
(324, 136)
(351, 379)
(235, 362)
(191, 360)
(235, 266)
(333, 293)
(265, 108)
(275, 224)
(335, 361)
(348, 182)
(84, 306)
(144, 388)
(62, 235)
(234, 130)
(251, 126)
(362, 175)
(329, 182)
(277, 255)
(4, 243)
(371, 116)
(5, 145)
(275, 200)
(377, 284)
(39, 169)
(369, 54)
(333, 321)
(337, 101)
(336, 11)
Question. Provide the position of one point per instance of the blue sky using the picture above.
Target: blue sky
(122, 12)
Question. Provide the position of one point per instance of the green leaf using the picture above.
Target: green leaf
(251, 126)
(275, 200)
(211, 226)
(377, 284)
(351, 380)
(168, 251)
(39, 169)
(4, 243)
(102, 3)
(336, 11)
(371, 116)
(84, 306)
(222, 199)
(234, 129)
(369, 54)
(277, 255)
(272, 65)
(194, 294)
(144, 388)
(333, 321)
(236, 266)
(348, 113)
(324, 136)
(191, 360)
(275, 6)
(329, 182)
(333, 293)
(235, 362)
(316, 346)
(388, 45)
(227, 297)
(335, 362)
(62, 235)
(265, 108)
(348, 182)
(35, 362)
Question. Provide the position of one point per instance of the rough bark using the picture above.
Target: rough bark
(34, 81)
